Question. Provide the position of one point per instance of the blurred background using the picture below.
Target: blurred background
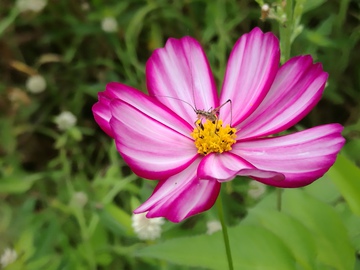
(66, 197)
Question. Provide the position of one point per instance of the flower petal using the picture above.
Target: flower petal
(297, 88)
(150, 138)
(179, 74)
(102, 113)
(302, 157)
(181, 196)
(250, 71)
(224, 167)
(101, 109)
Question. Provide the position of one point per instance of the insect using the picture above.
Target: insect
(211, 114)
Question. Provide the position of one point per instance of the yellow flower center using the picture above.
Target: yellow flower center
(211, 136)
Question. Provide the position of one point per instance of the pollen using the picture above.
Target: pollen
(211, 136)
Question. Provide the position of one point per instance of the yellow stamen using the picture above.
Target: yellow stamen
(211, 136)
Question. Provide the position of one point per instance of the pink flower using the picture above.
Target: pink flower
(160, 137)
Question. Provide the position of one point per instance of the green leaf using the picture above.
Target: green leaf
(6, 22)
(253, 248)
(346, 176)
(324, 190)
(7, 138)
(18, 183)
(328, 230)
(352, 149)
(318, 39)
(352, 223)
(116, 220)
(25, 244)
(99, 242)
(291, 231)
(312, 4)
(48, 262)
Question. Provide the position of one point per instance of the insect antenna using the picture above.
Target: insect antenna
(179, 99)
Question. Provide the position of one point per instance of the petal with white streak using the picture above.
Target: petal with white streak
(102, 110)
(181, 196)
(180, 77)
(251, 69)
(297, 88)
(149, 138)
(102, 113)
(224, 167)
(302, 157)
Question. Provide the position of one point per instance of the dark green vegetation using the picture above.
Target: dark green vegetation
(43, 169)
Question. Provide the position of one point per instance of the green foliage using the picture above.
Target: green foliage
(66, 196)
(307, 234)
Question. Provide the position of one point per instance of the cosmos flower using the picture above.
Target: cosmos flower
(191, 152)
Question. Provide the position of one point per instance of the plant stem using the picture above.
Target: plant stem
(279, 199)
(286, 32)
(220, 208)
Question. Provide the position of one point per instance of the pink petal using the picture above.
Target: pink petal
(179, 74)
(250, 71)
(102, 113)
(181, 196)
(302, 157)
(297, 88)
(150, 138)
(101, 109)
(224, 167)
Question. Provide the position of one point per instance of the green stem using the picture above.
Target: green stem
(279, 199)
(286, 32)
(89, 252)
(117, 187)
(220, 208)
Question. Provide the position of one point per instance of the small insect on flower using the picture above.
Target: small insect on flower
(210, 135)
(211, 114)
(159, 140)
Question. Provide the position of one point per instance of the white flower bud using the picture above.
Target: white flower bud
(213, 226)
(256, 189)
(109, 24)
(147, 228)
(85, 6)
(65, 120)
(36, 84)
(9, 256)
(265, 7)
(79, 199)
(31, 5)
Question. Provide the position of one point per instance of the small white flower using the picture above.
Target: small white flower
(79, 199)
(85, 6)
(213, 226)
(256, 189)
(147, 228)
(65, 120)
(36, 84)
(9, 256)
(31, 5)
(265, 7)
(109, 24)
